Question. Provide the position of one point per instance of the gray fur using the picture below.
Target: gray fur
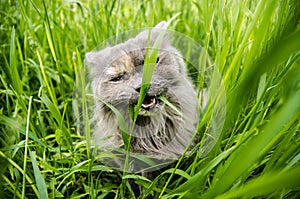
(163, 131)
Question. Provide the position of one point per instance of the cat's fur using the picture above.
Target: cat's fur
(116, 74)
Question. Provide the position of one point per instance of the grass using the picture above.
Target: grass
(255, 44)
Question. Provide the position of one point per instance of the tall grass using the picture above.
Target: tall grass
(254, 43)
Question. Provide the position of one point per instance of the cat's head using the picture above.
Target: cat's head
(116, 74)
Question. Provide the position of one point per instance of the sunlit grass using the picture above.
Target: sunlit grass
(255, 45)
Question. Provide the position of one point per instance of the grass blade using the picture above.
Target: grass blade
(191, 185)
(26, 146)
(248, 153)
(266, 184)
(39, 179)
(14, 72)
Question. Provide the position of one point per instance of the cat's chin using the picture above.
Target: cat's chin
(143, 120)
(150, 112)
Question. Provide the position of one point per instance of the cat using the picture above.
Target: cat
(161, 130)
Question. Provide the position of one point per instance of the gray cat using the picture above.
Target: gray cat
(116, 73)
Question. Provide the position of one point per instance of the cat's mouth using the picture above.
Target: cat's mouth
(149, 106)
(149, 103)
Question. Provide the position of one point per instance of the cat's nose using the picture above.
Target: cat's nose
(138, 89)
(148, 91)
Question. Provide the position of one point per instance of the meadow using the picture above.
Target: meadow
(254, 44)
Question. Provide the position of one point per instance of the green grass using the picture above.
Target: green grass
(255, 44)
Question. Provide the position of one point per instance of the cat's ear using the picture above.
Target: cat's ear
(98, 58)
(155, 32)
(160, 29)
(88, 57)
(161, 25)
(91, 63)
(95, 61)
(91, 59)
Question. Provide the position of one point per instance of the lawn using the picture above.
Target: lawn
(255, 47)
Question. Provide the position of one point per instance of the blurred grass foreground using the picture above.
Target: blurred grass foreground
(255, 44)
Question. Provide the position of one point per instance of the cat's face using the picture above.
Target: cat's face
(117, 77)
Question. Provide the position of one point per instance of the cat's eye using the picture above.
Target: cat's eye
(157, 59)
(117, 78)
